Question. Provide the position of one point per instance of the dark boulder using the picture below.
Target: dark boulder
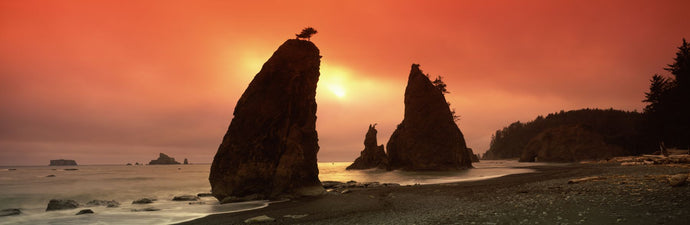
(427, 138)
(271, 144)
(63, 162)
(143, 201)
(163, 159)
(60, 204)
(373, 155)
(10, 212)
(85, 211)
(569, 143)
(186, 198)
(186, 162)
(109, 204)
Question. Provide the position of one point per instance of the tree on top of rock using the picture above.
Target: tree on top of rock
(438, 83)
(306, 33)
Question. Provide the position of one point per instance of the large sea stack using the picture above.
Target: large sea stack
(270, 147)
(427, 138)
(373, 155)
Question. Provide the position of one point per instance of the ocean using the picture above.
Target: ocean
(31, 188)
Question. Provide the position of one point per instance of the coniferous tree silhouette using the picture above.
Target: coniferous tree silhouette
(668, 113)
(306, 33)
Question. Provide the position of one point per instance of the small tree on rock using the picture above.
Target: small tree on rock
(306, 33)
(438, 83)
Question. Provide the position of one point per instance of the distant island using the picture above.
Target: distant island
(163, 159)
(63, 162)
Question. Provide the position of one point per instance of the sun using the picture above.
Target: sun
(337, 90)
(335, 80)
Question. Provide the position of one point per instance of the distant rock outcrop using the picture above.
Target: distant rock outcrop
(271, 144)
(373, 155)
(427, 138)
(475, 157)
(186, 162)
(63, 162)
(60, 204)
(163, 159)
(572, 143)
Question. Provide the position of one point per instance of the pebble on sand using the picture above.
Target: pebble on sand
(259, 219)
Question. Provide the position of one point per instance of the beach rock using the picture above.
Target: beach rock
(143, 201)
(569, 143)
(85, 211)
(427, 138)
(71, 169)
(109, 204)
(677, 180)
(252, 197)
(60, 204)
(186, 198)
(259, 219)
(271, 144)
(345, 191)
(63, 162)
(204, 195)
(10, 212)
(163, 159)
(52, 175)
(296, 216)
(373, 155)
(149, 209)
(332, 184)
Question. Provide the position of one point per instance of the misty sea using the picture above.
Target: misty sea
(30, 188)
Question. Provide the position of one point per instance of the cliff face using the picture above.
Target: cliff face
(373, 155)
(271, 144)
(427, 138)
(63, 162)
(163, 159)
(568, 144)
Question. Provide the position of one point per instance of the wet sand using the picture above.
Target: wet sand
(621, 195)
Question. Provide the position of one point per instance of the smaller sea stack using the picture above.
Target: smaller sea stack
(373, 155)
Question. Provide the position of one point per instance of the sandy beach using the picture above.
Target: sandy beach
(620, 195)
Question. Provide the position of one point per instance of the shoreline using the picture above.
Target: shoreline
(624, 194)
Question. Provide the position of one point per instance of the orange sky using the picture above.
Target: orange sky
(119, 81)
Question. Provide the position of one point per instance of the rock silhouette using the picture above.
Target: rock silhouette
(163, 159)
(474, 157)
(63, 162)
(271, 144)
(427, 138)
(373, 155)
(570, 143)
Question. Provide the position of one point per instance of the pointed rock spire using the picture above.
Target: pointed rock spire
(373, 155)
(427, 138)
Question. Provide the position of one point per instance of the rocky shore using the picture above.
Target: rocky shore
(556, 194)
